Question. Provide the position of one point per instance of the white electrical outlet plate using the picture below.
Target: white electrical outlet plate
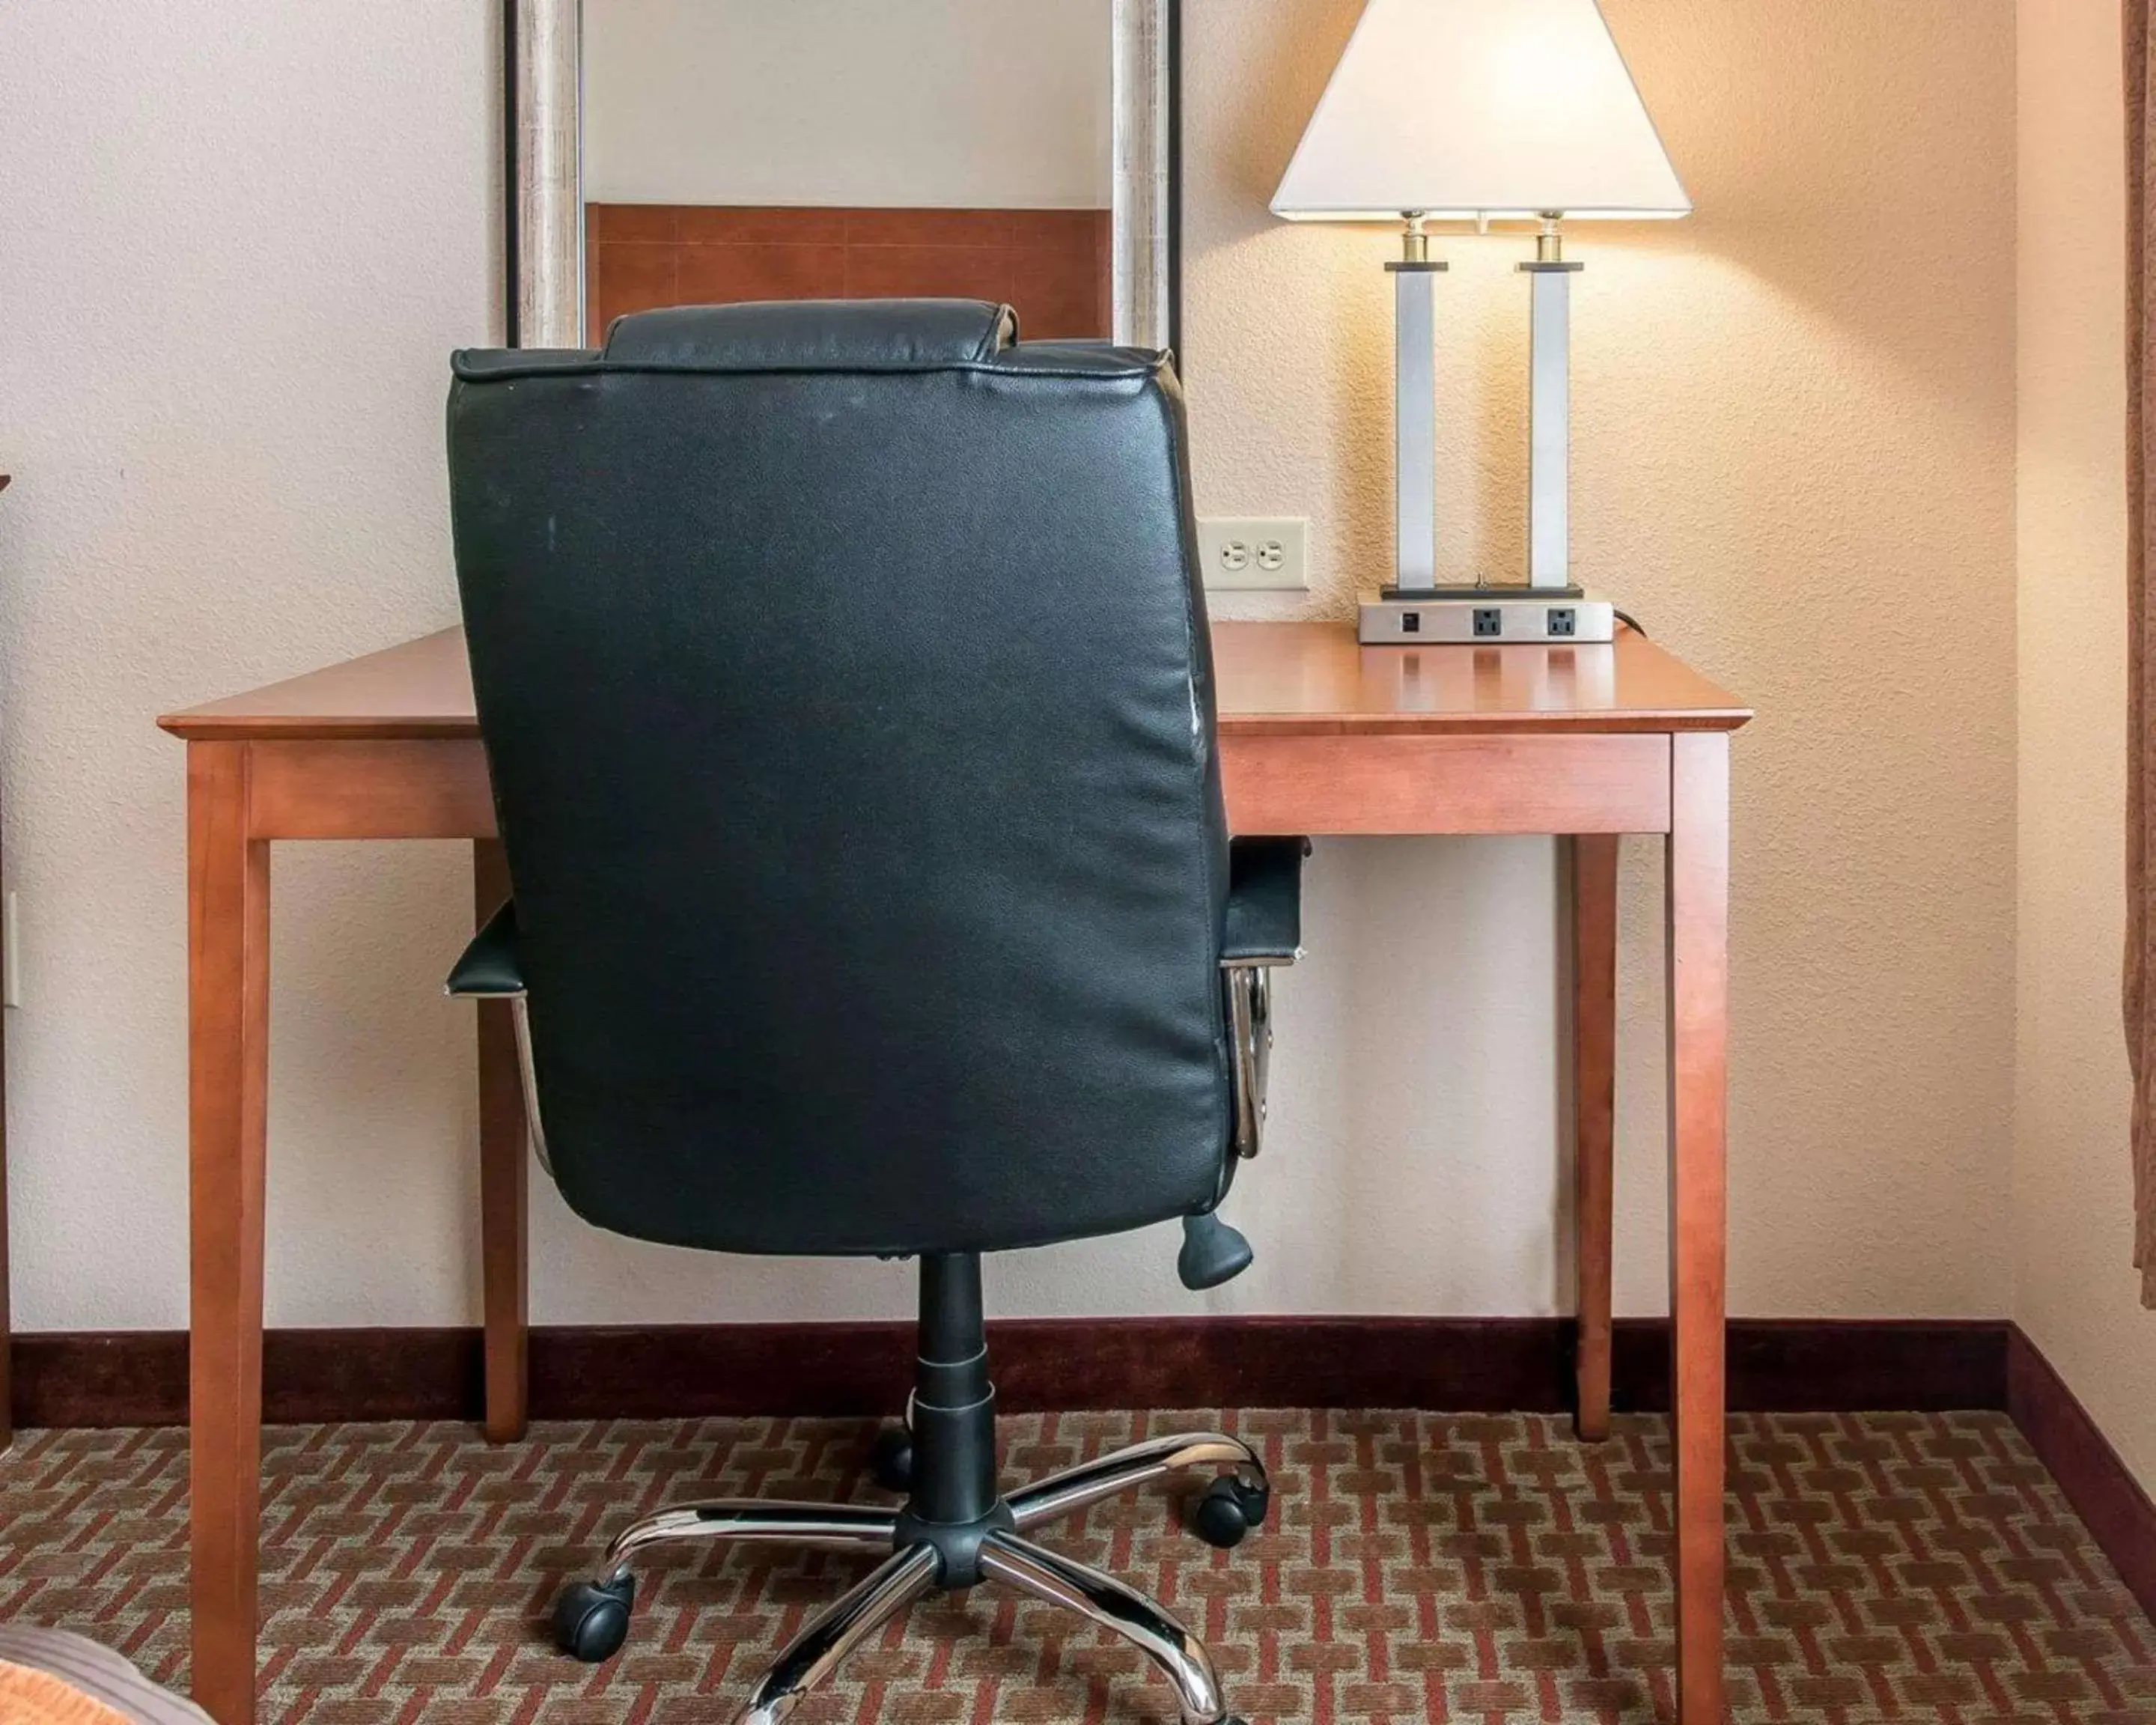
(1246, 553)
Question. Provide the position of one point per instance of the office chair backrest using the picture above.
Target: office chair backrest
(843, 675)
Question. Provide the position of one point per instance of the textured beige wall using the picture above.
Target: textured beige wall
(240, 240)
(1794, 462)
(2076, 1294)
(239, 247)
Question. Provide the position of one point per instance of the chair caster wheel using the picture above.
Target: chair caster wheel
(590, 1618)
(891, 1459)
(1227, 1510)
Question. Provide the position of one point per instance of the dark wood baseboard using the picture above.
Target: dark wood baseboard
(1806, 1365)
(1445, 1364)
(2107, 1497)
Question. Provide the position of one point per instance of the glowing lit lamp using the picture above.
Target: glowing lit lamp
(1480, 111)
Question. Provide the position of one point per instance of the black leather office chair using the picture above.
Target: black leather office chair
(844, 678)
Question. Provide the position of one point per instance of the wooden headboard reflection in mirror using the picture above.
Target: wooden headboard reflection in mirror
(703, 151)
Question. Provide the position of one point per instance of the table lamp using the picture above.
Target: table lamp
(1482, 111)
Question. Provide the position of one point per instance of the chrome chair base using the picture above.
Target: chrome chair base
(590, 1618)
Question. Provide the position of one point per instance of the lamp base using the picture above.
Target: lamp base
(1511, 616)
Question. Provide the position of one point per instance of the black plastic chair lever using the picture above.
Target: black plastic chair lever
(1212, 1253)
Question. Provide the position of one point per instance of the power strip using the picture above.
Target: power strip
(1490, 617)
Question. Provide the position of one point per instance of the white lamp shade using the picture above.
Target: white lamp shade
(1461, 109)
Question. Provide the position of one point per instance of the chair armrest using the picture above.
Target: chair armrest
(1265, 900)
(491, 965)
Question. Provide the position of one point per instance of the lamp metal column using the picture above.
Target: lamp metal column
(1549, 414)
(1414, 412)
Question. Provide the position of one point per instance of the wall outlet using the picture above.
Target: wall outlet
(1270, 553)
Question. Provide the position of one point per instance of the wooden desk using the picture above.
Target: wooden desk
(1317, 735)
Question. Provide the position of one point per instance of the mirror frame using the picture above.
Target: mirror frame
(543, 51)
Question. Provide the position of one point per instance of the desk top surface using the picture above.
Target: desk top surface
(1273, 679)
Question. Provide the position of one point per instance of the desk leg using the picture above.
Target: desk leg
(1594, 1103)
(505, 1162)
(1698, 886)
(228, 1118)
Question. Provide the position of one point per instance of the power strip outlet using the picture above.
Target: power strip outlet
(1497, 618)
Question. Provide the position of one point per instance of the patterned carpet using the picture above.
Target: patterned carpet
(1418, 1566)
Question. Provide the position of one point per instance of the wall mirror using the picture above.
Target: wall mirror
(697, 152)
